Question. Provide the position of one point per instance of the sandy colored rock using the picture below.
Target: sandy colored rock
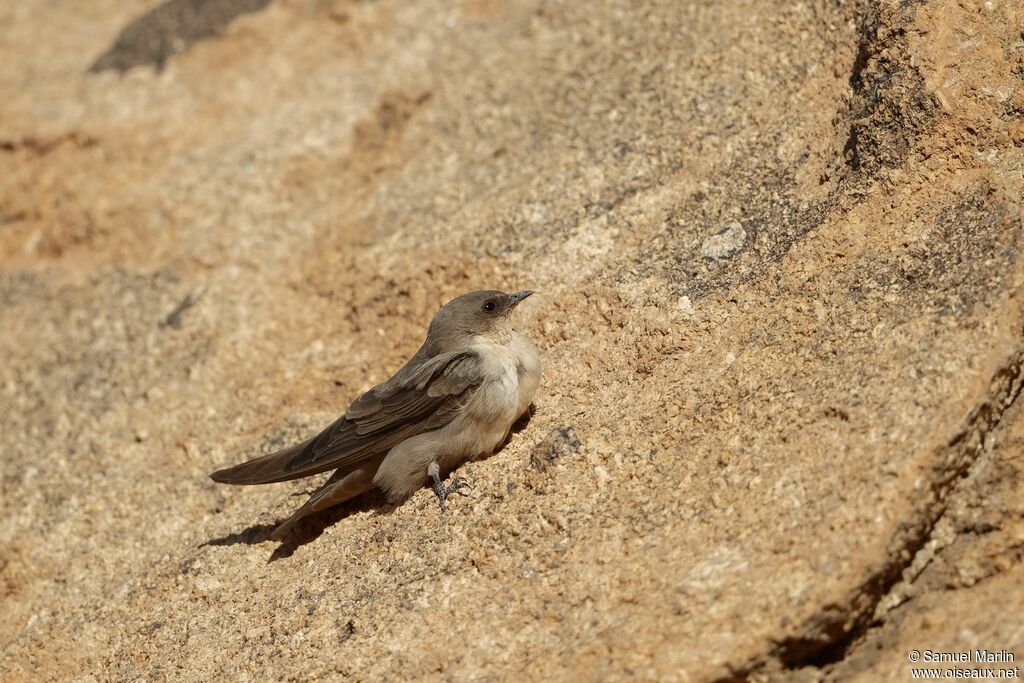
(739, 463)
(962, 593)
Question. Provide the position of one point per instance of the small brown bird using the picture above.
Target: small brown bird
(456, 398)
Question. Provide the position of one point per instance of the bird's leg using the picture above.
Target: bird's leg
(434, 470)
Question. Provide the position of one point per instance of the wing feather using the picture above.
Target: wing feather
(424, 395)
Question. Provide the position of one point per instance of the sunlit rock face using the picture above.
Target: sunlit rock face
(777, 255)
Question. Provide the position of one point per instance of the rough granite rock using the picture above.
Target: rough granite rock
(777, 249)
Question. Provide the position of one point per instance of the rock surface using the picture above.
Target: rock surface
(793, 458)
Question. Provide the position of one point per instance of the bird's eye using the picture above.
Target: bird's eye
(489, 306)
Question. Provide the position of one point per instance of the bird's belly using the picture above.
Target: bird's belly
(483, 422)
(491, 412)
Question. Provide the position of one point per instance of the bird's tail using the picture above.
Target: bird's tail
(268, 469)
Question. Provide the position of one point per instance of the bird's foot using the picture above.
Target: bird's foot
(440, 490)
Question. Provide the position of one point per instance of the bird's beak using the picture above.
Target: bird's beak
(519, 296)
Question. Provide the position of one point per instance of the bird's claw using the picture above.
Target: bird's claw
(442, 492)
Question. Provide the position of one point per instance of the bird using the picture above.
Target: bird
(456, 398)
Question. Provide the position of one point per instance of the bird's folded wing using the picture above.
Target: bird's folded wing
(418, 399)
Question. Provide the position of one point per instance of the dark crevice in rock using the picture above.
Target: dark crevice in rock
(43, 146)
(937, 566)
(890, 107)
(865, 53)
(829, 636)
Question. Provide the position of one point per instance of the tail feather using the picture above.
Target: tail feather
(268, 469)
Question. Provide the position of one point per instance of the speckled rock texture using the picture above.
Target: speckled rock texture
(778, 254)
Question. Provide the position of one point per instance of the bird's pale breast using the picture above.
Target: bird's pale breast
(511, 374)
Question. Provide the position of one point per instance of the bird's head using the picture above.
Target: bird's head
(477, 314)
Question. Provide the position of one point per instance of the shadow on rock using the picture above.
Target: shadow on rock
(169, 29)
(519, 425)
(306, 530)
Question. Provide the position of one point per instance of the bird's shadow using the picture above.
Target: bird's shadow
(310, 528)
(307, 529)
